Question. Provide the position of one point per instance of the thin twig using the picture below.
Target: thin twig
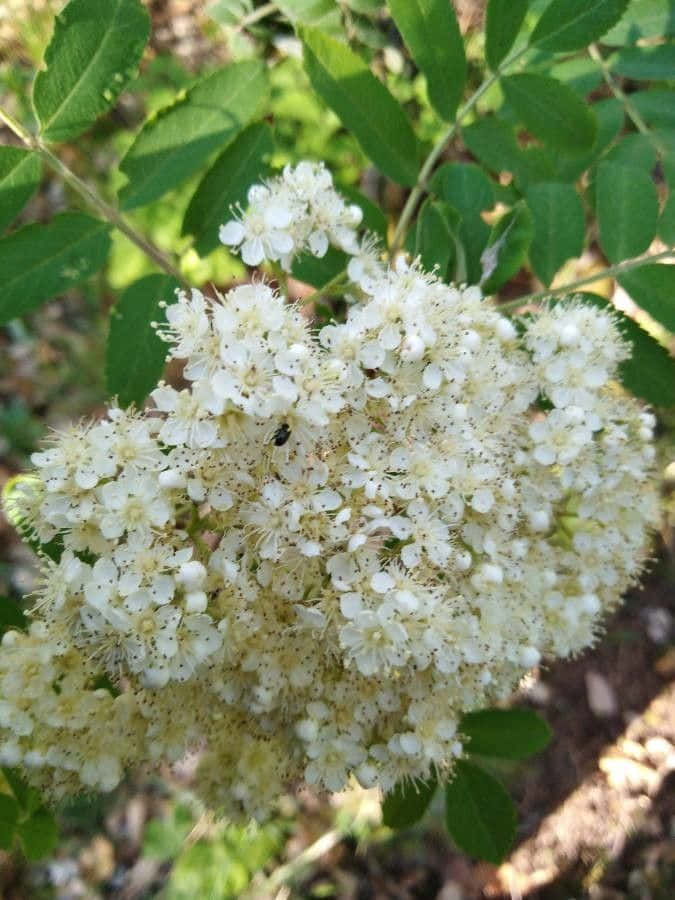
(293, 868)
(431, 160)
(629, 107)
(572, 286)
(260, 13)
(109, 212)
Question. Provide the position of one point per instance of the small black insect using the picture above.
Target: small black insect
(281, 435)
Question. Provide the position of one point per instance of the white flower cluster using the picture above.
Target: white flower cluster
(300, 211)
(310, 561)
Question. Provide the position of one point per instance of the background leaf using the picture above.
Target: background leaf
(507, 248)
(644, 19)
(407, 803)
(627, 209)
(652, 287)
(39, 834)
(503, 20)
(551, 111)
(559, 227)
(431, 33)
(667, 221)
(20, 172)
(650, 372)
(9, 815)
(573, 24)
(645, 63)
(41, 261)
(323, 14)
(226, 183)
(466, 188)
(93, 54)
(363, 104)
(11, 615)
(435, 242)
(136, 355)
(179, 139)
(479, 813)
(505, 733)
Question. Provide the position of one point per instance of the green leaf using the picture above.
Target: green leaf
(610, 116)
(226, 184)
(552, 111)
(479, 813)
(650, 372)
(407, 803)
(667, 221)
(9, 815)
(644, 19)
(318, 271)
(181, 137)
(559, 227)
(505, 733)
(657, 107)
(363, 104)
(373, 217)
(645, 63)
(39, 834)
(11, 615)
(434, 239)
(136, 355)
(323, 14)
(20, 173)
(627, 210)
(635, 150)
(41, 261)
(652, 287)
(93, 54)
(13, 508)
(466, 188)
(507, 248)
(26, 796)
(502, 24)
(493, 142)
(573, 24)
(431, 33)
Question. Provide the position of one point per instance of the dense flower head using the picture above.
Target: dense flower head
(312, 559)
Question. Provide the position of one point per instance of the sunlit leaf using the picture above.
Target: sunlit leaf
(93, 54)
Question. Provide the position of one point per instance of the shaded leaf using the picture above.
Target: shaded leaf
(41, 261)
(226, 184)
(26, 796)
(93, 54)
(20, 172)
(505, 733)
(573, 24)
(494, 143)
(39, 834)
(627, 210)
(652, 287)
(431, 33)
(11, 615)
(551, 111)
(319, 271)
(645, 63)
(656, 107)
(181, 137)
(373, 217)
(507, 248)
(667, 221)
(135, 354)
(479, 813)
(407, 803)
(363, 104)
(610, 117)
(435, 241)
(503, 21)
(559, 227)
(9, 815)
(466, 188)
